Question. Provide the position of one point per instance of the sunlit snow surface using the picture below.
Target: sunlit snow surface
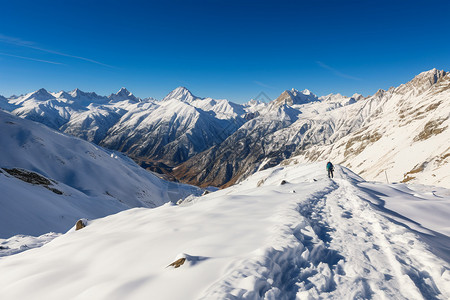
(309, 238)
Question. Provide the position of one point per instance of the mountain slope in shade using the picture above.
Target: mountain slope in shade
(72, 179)
(172, 131)
(91, 125)
(239, 154)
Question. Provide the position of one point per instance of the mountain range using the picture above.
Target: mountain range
(399, 134)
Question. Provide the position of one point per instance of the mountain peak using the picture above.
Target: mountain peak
(123, 94)
(40, 95)
(307, 92)
(421, 82)
(76, 92)
(182, 94)
(431, 75)
(123, 90)
(294, 96)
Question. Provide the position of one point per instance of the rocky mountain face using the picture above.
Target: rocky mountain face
(293, 97)
(398, 135)
(405, 135)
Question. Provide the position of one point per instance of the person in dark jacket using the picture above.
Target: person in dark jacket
(330, 169)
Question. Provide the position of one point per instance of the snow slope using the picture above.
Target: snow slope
(286, 232)
(75, 179)
(405, 136)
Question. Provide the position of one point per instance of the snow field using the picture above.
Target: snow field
(92, 182)
(309, 238)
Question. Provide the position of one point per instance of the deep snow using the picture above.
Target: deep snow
(309, 238)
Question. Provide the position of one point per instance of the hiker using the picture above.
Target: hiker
(330, 169)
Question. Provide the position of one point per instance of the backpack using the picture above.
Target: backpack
(329, 166)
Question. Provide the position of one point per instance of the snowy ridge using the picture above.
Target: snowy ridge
(71, 179)
(307, 237)
(182, 94)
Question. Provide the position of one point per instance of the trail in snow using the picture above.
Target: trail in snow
(345, 249)
(284, 233)
(379, 257)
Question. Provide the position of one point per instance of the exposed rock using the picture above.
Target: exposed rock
(33, 178)
(177, 263)
(430, 129)
(79, 225)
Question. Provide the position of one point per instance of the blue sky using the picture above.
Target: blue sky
(222, 49)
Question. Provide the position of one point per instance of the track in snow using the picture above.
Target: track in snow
(285, 233)
(344, 249)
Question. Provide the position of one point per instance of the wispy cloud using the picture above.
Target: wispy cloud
(30, 58)
(14, 40)
(336, 72)
(31, 45)
(261, 84)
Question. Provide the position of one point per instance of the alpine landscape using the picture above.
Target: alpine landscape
(293, 194)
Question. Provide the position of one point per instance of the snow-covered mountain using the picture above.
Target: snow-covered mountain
(171, 131)
(402, 134)
(284, 233)
(5, 105)
(93, 124)
(405, 134)
(239, 153)
(182, 94)
(122, 95)
(294, 97)
(205, 141)
(49, 180)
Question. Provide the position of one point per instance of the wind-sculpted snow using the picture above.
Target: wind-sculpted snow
(283, 233)
(76, 179)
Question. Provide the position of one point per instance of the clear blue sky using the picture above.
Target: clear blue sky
(222, 49)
